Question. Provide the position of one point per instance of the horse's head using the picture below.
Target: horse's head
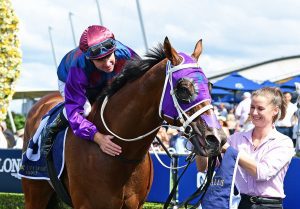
(186, 97)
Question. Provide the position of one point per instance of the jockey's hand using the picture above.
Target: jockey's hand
(106, 145)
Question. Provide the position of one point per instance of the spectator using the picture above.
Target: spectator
(178, 142)
(19, 139)
(285, 125)
(231, 121)
(223, 123)
(243, 109)
(223, 111)
(3, 141)
(9, 136)
(163, 136)
(216, 111)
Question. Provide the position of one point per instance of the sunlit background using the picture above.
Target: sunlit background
(234, 33)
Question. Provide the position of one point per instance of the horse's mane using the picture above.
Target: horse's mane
(134, 69)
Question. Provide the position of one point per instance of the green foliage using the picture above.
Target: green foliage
(11, 201)
(151, 205)
(16, 201)
(18, 119)
(10, 55)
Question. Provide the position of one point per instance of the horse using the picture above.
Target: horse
(131, 110)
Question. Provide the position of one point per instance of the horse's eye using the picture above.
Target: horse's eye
(185, 90)
(183, 94)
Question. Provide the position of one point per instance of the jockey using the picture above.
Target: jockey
(82, 75)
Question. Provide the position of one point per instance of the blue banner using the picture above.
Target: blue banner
(10, 162)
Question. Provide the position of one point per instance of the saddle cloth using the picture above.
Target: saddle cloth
(34, 160)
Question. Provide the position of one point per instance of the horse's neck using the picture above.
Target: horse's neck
(133, 110)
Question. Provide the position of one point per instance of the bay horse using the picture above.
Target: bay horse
(133, 108)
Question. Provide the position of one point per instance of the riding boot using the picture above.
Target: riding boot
(49, 132)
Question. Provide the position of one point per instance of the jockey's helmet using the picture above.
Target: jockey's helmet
(97, 42)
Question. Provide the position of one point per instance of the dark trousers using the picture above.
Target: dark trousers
(247, 204)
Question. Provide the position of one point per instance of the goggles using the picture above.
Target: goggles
(101, 50)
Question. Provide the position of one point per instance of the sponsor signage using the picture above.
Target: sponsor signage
(10, 162)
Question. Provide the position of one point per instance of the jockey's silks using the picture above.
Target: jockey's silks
(220, 193)
(84, 82)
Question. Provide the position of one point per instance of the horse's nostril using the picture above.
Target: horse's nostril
(213, 145)
(212, 142)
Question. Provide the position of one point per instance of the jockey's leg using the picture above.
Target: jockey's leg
(49, 132)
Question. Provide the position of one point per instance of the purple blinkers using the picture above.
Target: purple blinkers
(201, 84)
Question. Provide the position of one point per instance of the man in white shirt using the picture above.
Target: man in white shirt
(285, 126)
(243, 109)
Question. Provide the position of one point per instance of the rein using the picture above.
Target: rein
(201, 190)
(117, 136)
(162, 163)
(183, 117)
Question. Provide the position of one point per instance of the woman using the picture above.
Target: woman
(264, 153)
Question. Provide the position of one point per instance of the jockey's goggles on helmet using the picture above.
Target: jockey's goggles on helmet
(101, 50)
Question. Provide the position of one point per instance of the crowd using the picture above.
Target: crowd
(233, 118)
(172, 140)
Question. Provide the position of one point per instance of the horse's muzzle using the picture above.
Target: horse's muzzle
(207, 147)
(207, 142)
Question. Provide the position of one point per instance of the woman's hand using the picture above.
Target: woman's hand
(106, 145)
(224, 148)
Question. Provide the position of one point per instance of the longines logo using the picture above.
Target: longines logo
(10, 165)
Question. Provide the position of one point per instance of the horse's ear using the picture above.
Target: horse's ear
(171, 53)
(198, 50)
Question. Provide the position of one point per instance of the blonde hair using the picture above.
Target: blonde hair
(276, 99)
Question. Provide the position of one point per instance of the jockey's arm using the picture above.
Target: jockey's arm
(74, 103)
(75, 99)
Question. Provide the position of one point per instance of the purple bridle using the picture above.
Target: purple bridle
(169, 105)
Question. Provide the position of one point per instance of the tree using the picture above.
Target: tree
(10, 55)
(19, 120)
